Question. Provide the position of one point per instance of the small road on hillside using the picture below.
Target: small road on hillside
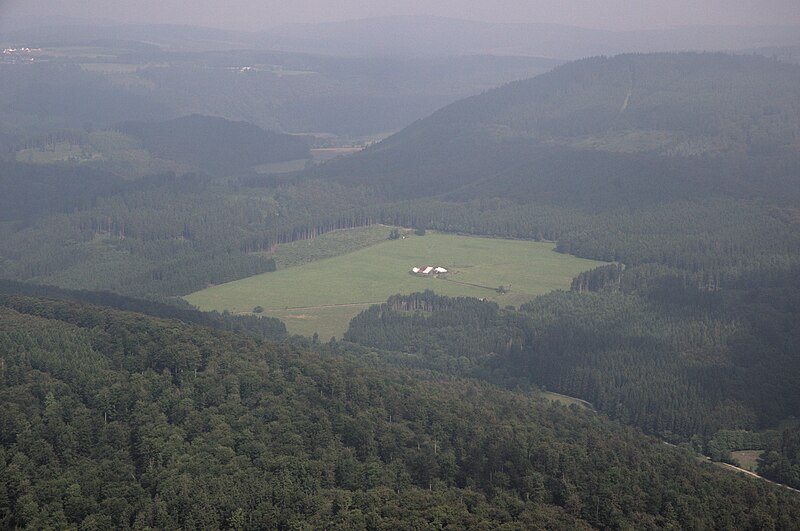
(753, 474)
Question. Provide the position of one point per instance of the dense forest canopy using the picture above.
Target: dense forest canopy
(170, 235)
(113, 419)
(672, 370)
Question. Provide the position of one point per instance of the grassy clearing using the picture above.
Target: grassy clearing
(112, 68)
(566, 400)
(747, 459)
(322, 296)
(271, 168)
(57, 152)
(325, 154)
(80, 52)
(328, 245)
(102, 262)
(113, 150)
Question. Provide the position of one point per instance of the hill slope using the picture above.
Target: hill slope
(431, 35)
(115, 420)
(215, 144)
(664, 125)
(64, 86)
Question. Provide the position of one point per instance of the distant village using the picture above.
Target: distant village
(12, 56)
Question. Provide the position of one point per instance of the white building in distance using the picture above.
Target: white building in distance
(428, 270)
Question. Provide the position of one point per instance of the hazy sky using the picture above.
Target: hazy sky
(261, 14)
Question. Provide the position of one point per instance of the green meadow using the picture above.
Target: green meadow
(566, 400)
(322, 296)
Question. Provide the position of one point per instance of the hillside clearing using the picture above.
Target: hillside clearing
(747, 459)
(567, 400)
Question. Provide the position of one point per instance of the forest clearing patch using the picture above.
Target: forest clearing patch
(332, 291)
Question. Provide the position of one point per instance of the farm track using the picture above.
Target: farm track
(321, 306)
(467, 284)
(753, 474)
(735, 468)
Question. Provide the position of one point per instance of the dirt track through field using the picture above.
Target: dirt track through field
(468, 284)
(344, 305)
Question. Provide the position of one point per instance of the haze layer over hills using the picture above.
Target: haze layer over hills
(144, 164)
(427, 36)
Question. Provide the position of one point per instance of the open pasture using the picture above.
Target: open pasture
(322, 296)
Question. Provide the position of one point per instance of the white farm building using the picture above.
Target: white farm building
(428, 270)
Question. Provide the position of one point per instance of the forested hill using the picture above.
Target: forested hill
(677, 371)
(113, 420)
(642, 120)
(215, 144)
(259, 327)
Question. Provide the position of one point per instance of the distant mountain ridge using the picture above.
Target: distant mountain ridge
(160, 76)
(431, 35)
(631, 120)
(420, 35)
